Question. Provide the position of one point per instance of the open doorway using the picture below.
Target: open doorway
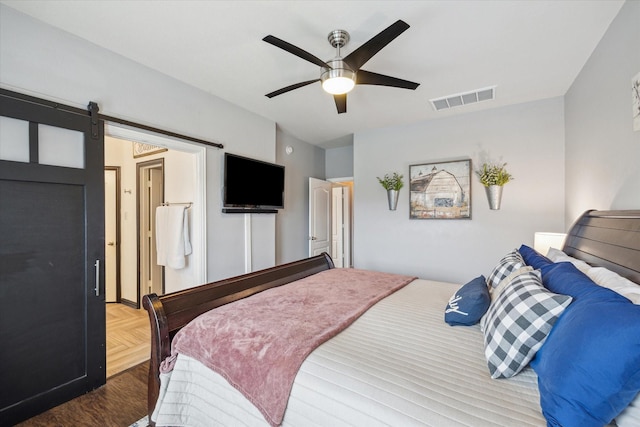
(330, 220)
(177, 173)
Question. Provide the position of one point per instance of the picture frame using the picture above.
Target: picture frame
(440, 190)
(140, 149)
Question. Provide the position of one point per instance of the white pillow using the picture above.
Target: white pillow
(630, 417)
(556, 255)
(601, 276)
(610, 280)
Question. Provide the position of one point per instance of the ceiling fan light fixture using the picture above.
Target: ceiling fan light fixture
(339, 79)
(338, 85)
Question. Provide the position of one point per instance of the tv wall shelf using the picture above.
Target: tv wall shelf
(248, 210)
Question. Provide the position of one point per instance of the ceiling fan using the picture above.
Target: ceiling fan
(339, 75)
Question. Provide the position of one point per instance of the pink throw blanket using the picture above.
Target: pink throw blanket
(259, 343)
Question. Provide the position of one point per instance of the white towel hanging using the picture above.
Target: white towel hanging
(172, 236)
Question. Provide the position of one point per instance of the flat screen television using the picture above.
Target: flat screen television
(252, 185)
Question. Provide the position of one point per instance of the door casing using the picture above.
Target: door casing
(150, 195)
(113, 289)
(330, 219)
(198, 222)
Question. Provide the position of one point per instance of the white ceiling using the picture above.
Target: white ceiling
(529, 49)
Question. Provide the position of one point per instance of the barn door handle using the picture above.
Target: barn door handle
(97, 288)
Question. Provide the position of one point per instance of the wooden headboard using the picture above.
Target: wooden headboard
(609, 239)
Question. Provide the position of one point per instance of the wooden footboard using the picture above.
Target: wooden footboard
(170, 312)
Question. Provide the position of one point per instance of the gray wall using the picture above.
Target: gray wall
(339, 162)
(43, 61)
(292, 229)
(602, 150)
(530, 137)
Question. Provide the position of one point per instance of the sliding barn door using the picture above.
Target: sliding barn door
(52, 315)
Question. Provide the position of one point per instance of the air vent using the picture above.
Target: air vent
(465, 98)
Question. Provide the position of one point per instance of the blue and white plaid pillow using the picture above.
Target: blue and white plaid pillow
(510, 262)
(518, 322)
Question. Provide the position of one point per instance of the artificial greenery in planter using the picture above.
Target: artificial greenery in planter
(492, 174)
(493, 177)
(392, 183)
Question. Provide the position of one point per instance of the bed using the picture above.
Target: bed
(396, 361)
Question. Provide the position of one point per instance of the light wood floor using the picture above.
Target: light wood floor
(128, 337)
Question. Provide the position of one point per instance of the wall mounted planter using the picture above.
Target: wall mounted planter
(392, 183)
(392, 198)
(494, 195)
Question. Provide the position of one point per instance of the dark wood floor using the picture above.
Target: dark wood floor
(119, 403)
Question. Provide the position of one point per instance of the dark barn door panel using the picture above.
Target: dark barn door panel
(52, 317)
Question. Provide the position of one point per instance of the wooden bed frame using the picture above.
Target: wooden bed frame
(608, 239)
(170, 312)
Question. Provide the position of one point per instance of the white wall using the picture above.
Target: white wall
(292, 222)
(529, 137)
(602, 150)
(40, 60)
(179, 186)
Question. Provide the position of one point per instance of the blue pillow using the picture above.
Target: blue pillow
(589, 367)
(468, 304)
(533, 258)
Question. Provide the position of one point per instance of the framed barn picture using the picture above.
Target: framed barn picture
(440, 190)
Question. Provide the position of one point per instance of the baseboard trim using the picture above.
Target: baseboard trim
(129, 303)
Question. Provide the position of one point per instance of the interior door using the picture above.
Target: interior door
(151, 195)
(337, 226)
(319, 216)
(346, 224)
(52, 314)
(156, 197)
(111, 237)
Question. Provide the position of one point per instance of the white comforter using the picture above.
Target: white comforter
(398, 365)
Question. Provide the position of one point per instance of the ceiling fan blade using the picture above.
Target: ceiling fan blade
(290, 88)
(296, 51)
(361, 55)
(364, 77)
(341, 103)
